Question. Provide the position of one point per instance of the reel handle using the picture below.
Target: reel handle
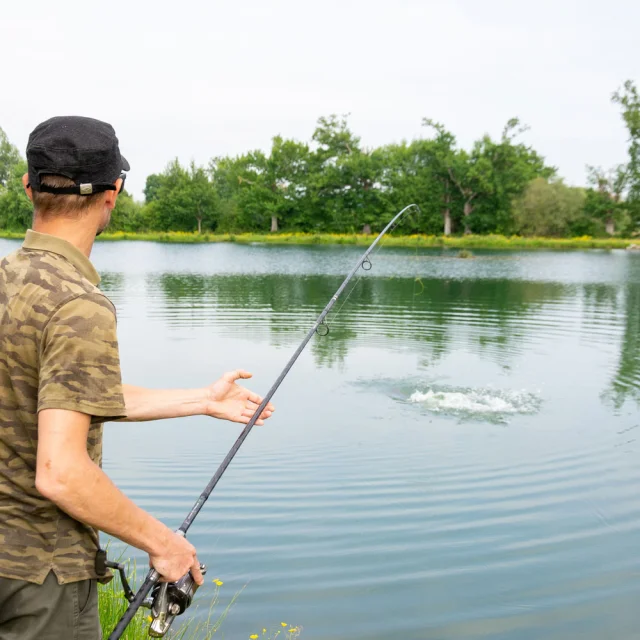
(171, 599)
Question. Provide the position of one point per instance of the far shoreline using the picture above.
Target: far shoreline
(412, 241)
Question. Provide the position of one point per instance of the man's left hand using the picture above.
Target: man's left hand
(229, 401)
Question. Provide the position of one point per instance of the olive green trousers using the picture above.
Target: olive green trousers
(49, 611)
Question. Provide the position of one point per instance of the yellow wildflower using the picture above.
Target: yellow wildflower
(283, 624)
(218, 583)
(254, 636)
(293, 629)
(264, 631)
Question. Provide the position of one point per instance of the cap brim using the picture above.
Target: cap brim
(125, 163)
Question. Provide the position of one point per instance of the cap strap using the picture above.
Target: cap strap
(84, 189)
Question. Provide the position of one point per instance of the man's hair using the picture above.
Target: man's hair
(69, 205)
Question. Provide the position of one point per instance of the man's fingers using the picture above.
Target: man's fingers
(246, 418)
(238, 374)
(196, 573)
(250, 411)
(257, 400)
(253, 407)
(254, 397)
(269, 407)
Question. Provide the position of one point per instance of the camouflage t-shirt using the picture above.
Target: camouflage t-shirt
(58, 350)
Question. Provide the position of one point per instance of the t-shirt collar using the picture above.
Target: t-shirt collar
(54, 244)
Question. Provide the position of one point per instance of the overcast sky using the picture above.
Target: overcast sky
(201, 78)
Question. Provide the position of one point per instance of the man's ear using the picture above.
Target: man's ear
(112, 196)
(27, 188)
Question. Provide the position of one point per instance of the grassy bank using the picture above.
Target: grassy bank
(112, 605)
(452, 242)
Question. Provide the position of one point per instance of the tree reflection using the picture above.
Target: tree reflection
(111, 282)
(429, 317)
(495, 319)
(626, 381)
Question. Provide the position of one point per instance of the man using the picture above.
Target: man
(59, 381)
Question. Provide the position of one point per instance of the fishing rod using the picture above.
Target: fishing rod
(168, 600)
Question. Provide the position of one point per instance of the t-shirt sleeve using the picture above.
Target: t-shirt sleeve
(79, 360)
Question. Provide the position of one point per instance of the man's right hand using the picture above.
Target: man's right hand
(178, 557)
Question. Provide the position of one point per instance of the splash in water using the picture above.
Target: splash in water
(476, 402)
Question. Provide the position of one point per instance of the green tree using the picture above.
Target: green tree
(548, 208)
(344, 180)
(16, 211)
(273, 186)
(127, 215)
(412, 173)
(605, 200)
(152, 186)
(443, 158)
(183, 199)
(627, 97)
(9, 159)
(513, 166)
(224, 172)
(487, 178)
(361, 202)
(629, 100)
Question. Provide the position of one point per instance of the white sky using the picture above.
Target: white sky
(197, 79)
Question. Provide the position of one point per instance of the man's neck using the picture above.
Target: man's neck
(79, 233)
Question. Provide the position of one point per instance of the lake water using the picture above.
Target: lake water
(458, 458)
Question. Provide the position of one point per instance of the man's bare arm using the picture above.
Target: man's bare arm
(223, 399)
(66, 475)
(155, 404)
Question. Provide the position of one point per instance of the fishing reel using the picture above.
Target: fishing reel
(167, 599)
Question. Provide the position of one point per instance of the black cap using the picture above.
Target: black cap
(81, 149)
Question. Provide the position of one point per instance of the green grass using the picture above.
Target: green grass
(13, 235)
(451, 242)
(112, 605)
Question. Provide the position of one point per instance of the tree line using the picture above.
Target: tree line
(335, 184)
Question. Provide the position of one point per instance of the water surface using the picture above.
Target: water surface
(457, 459)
